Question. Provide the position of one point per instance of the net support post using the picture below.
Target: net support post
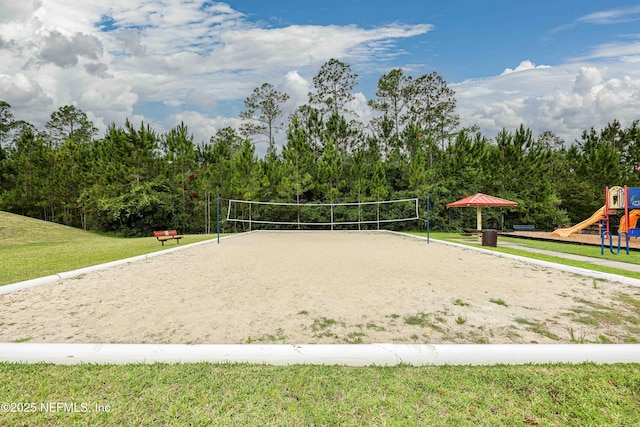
(428, 219)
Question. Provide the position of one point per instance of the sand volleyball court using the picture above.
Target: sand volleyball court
(321, 287)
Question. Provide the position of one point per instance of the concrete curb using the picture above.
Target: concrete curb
(320, 354)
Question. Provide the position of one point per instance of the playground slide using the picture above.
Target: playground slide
(597, 216)
(633, 220)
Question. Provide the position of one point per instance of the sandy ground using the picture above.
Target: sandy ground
(318, 287)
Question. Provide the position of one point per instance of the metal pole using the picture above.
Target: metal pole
(207, 208)
(428, 219)
(218, 218)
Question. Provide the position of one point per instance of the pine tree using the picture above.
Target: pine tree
(263, 109)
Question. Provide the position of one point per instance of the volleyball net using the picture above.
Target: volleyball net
(341, 216)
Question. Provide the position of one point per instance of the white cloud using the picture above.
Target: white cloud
(612, 16)
(604, 17)
(588, 81)
(23, 89)
(625, 51)
(297, 88)
(565, 99)
(17, 11)
(524, 65)
(131, 42)
(108, 58)
(98, 69)
(65, 52)
(114, 59)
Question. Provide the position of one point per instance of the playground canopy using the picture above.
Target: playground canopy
(479, 200)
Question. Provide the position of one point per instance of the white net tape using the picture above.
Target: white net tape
(322, 214)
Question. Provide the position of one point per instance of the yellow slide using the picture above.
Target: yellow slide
(633, 220)
(597, 216)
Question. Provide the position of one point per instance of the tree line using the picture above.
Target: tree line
(132, 179)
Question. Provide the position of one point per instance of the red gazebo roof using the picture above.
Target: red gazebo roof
(480, 199)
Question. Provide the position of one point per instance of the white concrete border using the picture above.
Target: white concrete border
(320, 354)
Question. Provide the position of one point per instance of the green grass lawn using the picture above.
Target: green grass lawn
(256, 395)
(30, 248)
(584, 250)
(238, 394)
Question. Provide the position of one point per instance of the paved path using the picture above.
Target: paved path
(596, 259)
(593, 260)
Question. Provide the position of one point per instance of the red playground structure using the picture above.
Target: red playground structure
(616, 198)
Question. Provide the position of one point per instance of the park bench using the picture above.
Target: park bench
(471, 232)
(524, 227)
(634, 232)
(165, 235)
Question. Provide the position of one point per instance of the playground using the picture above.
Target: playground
(616, 221)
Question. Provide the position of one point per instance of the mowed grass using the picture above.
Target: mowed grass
(242, 394)
(301, 395)
(583, 250)
(31, 248)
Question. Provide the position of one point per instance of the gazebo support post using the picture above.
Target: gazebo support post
(479, 220)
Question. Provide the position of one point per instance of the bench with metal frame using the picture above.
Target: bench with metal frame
(164, 235)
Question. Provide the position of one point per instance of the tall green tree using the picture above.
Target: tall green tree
(359, 173)
(333, 86)
(414, 139)
(330, 174)
(128, 183)
(7, 123)
(378, 187)
(432, 103)
(392, 97)
(70, 134)
(245, 178)
(214, 174)
(71, 168)
(340, 132)
(128, 155)
(418, 173)
(216, 160)
(180, 156)
(28, 170)
(460, 172)
(600, 164)
(298, 161)
(383, 135)
(310, 122)
(69, 122)
(263, 108)
(272, 173)
(519, 170)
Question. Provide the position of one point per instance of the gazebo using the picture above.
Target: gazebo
(479, 200)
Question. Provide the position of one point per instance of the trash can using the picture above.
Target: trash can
(490, 238)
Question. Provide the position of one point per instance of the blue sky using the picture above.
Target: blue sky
(563, 66)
